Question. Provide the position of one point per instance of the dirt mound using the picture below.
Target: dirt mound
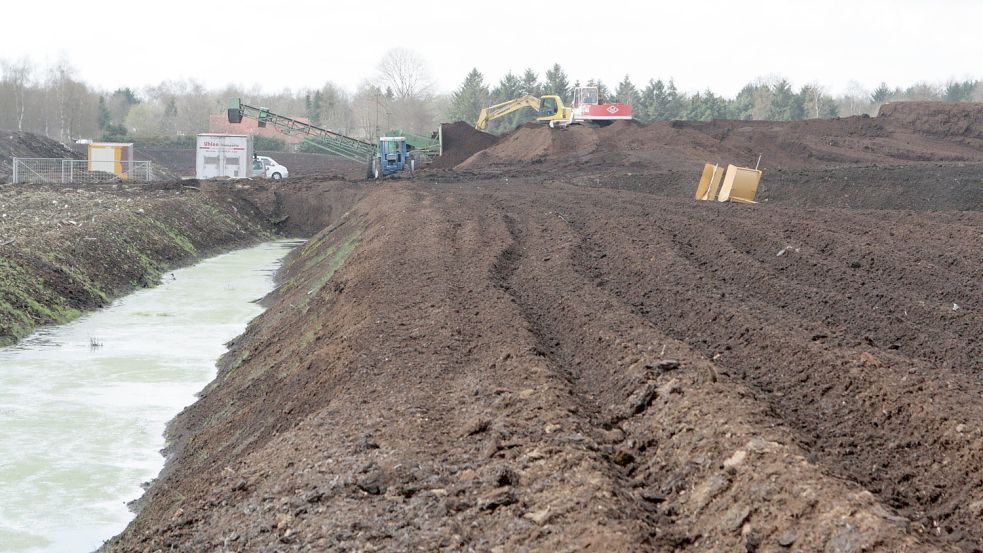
(938, 118)
(24, 144)
(937, 132)
(549, 367)
(461, 141)
(535, 143)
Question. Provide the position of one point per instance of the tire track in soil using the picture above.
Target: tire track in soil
(877, 423)
(589, 414)
(605, 352)
(486, 372)
(898, 318)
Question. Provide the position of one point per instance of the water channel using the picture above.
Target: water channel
(83, 406)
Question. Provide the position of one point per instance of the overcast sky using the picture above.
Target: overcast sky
(716, 44)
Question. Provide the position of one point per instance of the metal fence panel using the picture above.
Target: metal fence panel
(79, 171)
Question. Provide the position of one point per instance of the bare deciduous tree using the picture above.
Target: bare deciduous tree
(69, 95)
(336, 110)
(405, 74)
(813, 94)
(195, 104)
(18, 75)
(367, 112)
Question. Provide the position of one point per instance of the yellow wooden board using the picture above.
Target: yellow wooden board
(740, 185)
(709, 182)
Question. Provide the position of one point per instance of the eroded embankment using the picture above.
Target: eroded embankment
(503, 367)
(297, 207)
(67, 250)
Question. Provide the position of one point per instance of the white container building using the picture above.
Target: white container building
(223, 155)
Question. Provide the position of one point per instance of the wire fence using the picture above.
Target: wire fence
(78, 171)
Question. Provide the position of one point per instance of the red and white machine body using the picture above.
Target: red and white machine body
(587, 107)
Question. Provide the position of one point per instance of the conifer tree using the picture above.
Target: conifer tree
(786, 105)
(675, 102)
(530, 83)
(557, 82)
(881, 94)
(509, 88)
(603, 94)
(103, 118)
(316, 108)
(469, 98)
(743, 105)
(659, 109)
(627, 93)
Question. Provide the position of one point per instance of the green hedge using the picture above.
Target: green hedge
(310, 146)
(266, 144)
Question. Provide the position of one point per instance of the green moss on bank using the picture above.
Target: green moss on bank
(26, 302)
(53, 280)
(175, 237)
(330, 260)
(321, 259)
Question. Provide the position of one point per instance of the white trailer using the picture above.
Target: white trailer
(224, 155)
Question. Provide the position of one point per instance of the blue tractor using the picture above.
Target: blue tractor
(391, 157)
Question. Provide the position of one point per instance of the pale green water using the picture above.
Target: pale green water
(81, 426)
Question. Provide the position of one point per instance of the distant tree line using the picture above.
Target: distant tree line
(56, 102)
(53, 100)
(765, 99)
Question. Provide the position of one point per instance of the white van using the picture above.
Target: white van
(268, 168)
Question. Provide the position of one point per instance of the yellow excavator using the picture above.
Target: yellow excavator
(552, 106)
(586, 108)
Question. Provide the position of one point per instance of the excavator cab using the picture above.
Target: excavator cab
(548, 106)
(585, 96)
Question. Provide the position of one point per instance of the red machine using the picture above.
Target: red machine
(587, 107)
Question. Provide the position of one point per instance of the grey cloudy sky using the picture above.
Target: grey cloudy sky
(701, 43)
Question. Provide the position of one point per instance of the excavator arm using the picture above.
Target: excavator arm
(505, 108)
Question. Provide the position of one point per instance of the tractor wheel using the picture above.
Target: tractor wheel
(376, 170)
(368, 170)
(276, 176)
(412, 167)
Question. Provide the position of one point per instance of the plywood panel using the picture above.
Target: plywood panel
(740, 184)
